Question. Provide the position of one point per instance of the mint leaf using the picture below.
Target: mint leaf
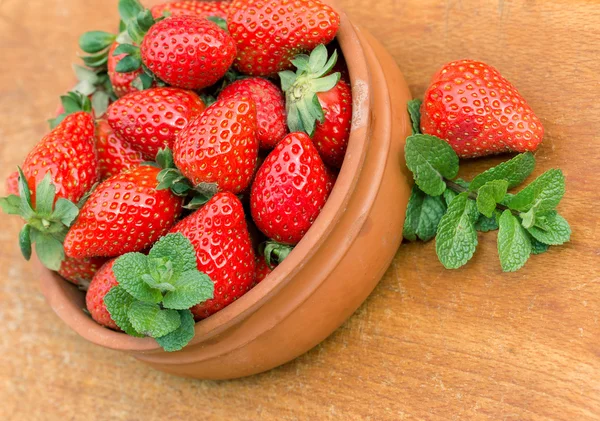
(456, 239)
(129, 270)
(117, 303)
(423, 215)
(489, 195)
(150, 320)
(543, 194)
(485, 224)
(180, 337)
(551, 229)
(191, 288)
(515, 172)
(528, 218)
(430, 159)
(414, 110)
(178, 250)
(448, 196)
(537, 247)
(514, 247)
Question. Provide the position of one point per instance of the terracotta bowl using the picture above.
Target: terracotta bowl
(329, 274)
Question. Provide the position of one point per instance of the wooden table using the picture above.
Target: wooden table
(429, 343)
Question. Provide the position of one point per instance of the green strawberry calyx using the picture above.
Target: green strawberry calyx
(171, 178)
(72, 102)
(155, 292)
(312, 76)
(46, 222)
(275, 253)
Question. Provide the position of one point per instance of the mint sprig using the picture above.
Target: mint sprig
(156, 291)
(452, 210)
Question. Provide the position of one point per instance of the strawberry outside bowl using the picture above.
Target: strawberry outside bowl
(331, 271)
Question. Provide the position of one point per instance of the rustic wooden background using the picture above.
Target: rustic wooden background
(429, 343)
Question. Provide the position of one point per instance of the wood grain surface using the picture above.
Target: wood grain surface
(429, 343)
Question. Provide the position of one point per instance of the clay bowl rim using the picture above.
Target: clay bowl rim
(54, 286)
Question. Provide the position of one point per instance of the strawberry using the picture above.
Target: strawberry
(122, 83)
(187, 51)
(124, 214)
(262, 270)
(203, 9)
(114, 154)
(102, 282)
(319, 105)
(289, 190)
(332, 176)
(69, 155)
(12, 183)
(219, 234)
(270, 108)
(478, 112)
(149, 120)
(220, 146)
(269, 33)
(80, 271)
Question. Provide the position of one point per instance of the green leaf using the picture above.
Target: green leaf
(145, 20)
(100, 101)
(537, 247)
(84, 74)
(275, 252)
(95, 41)
(177, 249)
(544, 193)
(128, 64)
(485, 224)
(44, 199)
(430, 159)
(164, 157)
(150, 320)
(11, 204)
(287, 79)
(118, 301)
(448, 196)
(129, 9)
(326, 83)
(528, 218)
(180, 337)
(98, 60)
(414, 110)
(551, 229)
(126, 49)
(26, 210)
(423, 215)
(514, 247)
(317, 58)
(456, 239)
(48, 249)
(191, 288)
(489, 195)
(129, 270)
(25, 242)
(515, 171)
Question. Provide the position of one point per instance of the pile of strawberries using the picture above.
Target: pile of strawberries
(209, 119)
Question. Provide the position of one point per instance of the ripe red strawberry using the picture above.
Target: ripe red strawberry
(12, 183)
(220, 146)
(114, 155)
(80, 271)
(188, 51)
(269, 33)
(270, 108)
(331, 136)
(149, 120)
(262, 270)
(203, 9)
(224, 251)
(69, 155)
(121, 82)
(319, 105)
(478, 112)
(289, 190)
(101, 284)
(124, 214)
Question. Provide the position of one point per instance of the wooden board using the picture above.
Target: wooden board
(429, 343)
